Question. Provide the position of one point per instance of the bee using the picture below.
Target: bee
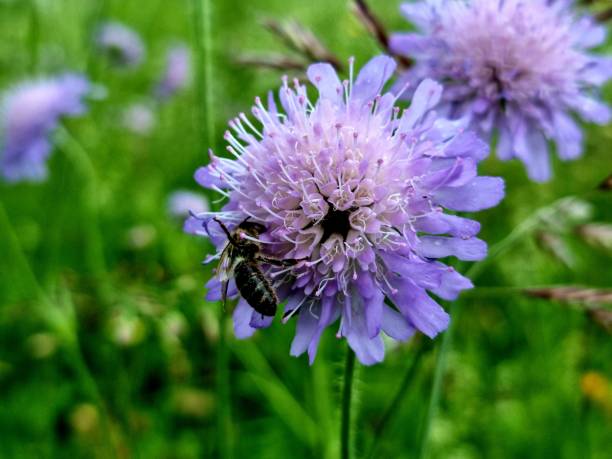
(241, 259)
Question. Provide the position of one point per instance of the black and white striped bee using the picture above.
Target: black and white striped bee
(241, 259)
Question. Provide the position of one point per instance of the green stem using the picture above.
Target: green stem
(345, 420)
(34, 37)
(323, 408)
(224, 418)
(202, 15)
(432, 407)
(394, 406)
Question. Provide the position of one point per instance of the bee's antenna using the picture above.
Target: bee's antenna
(223, 227)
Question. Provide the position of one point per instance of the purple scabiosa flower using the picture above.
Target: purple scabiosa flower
(182, 203)
(177, 73)
(356, 191)
(28, 115)
(521, 68)
(121, 44)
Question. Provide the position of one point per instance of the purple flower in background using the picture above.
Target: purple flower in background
(521, 68)
(183, 203)
(177, 72)
(121, 44)
(139, 118)
(356, 190)
(28, 115)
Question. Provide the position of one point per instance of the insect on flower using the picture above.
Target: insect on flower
(242, 260)
(339, 203)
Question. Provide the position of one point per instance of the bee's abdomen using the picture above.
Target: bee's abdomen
(255, 288)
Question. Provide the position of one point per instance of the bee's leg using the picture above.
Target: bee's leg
(224, 288)
(230, 238)
(276, 262)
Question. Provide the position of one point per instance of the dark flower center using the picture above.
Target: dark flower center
(336, 222)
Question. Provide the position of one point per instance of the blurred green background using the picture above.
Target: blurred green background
(108, 349)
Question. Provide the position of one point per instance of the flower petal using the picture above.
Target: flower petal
(592, 110)
(242, 318)
(396, 325)
(479, 194)
(258, 320)
(426, 96)
(213, 287)
(368, 350)
(452, 284)
(372, 78)
(440, 223)
(467, 144)
(304, 331)
(531, 148)
(568, 136)
(209, 177)
(373, 312)
(422, 312)
(472, 249)
(411, 44)
(424, 274)
(325, 78)
(328, 314)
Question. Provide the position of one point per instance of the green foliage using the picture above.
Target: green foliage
(107, 348)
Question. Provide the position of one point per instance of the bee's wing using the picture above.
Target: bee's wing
(223, 268)
(224, 286)
(223, 271)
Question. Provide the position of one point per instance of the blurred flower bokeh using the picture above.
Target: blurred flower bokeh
(29, 114)
(518, 68)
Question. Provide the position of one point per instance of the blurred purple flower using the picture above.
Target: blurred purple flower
(177, 73)
(521, 68)
(183, 203)
(356, 190)
(29, 113)
(139, 118)
(121, 44)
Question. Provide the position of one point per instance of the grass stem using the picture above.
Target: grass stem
(395, 404)
(202, 14)
(345, 418)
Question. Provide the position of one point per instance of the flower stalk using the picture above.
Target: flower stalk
(376, 28)
(605, 15)
(347, 398)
